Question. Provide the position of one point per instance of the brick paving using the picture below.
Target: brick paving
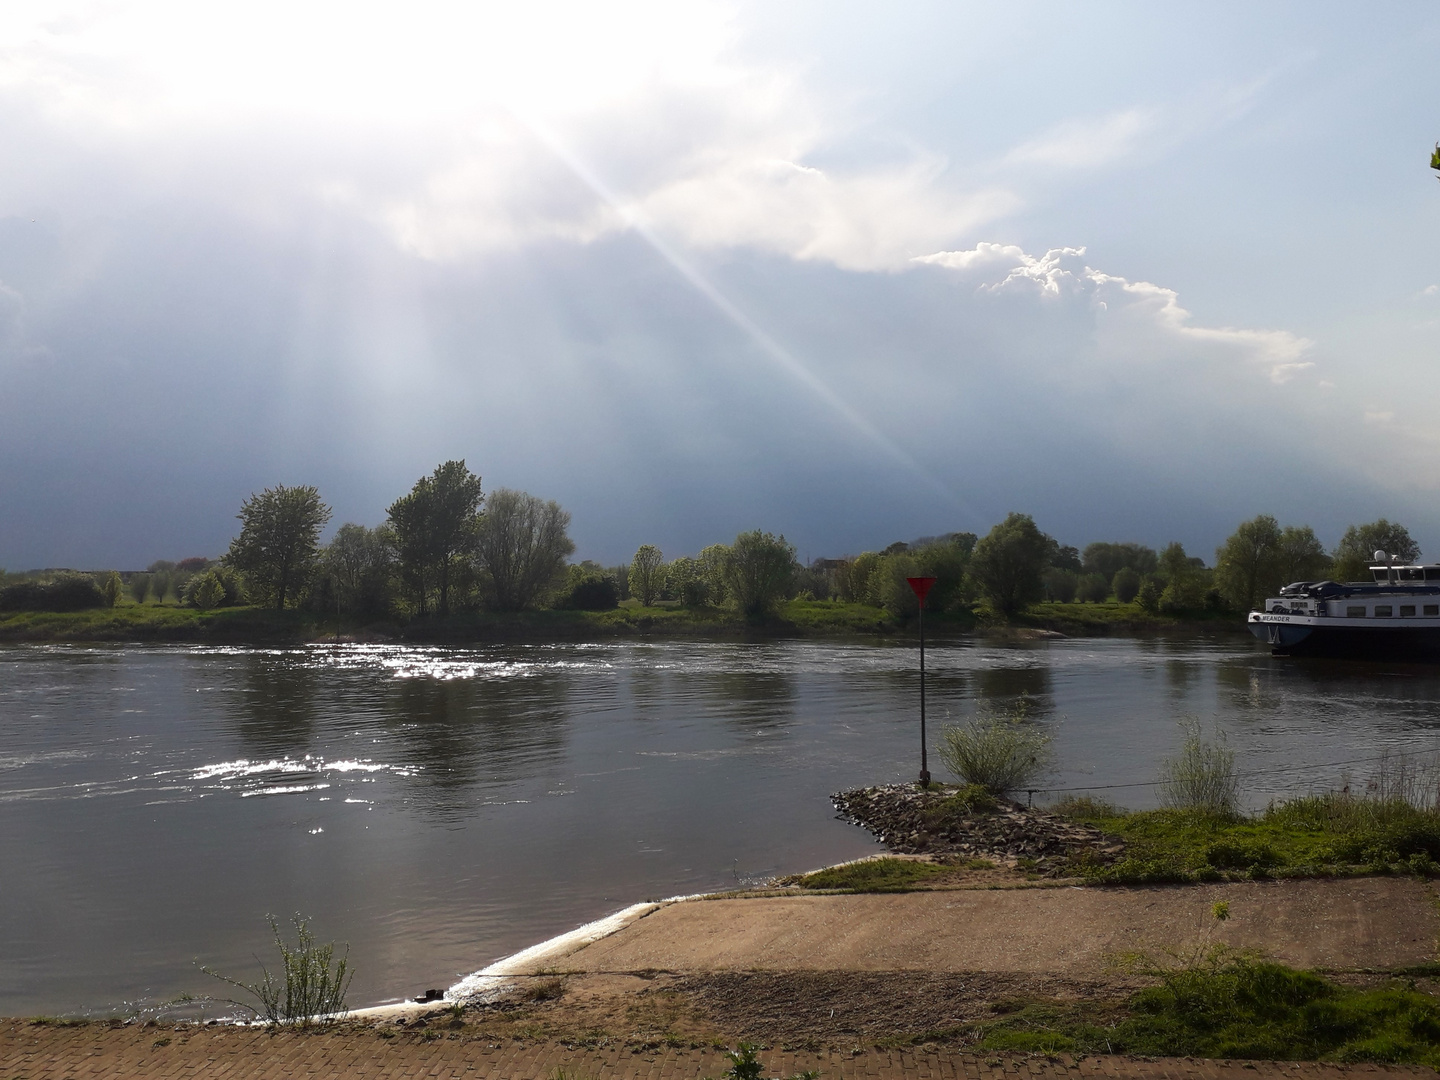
(31, 1051)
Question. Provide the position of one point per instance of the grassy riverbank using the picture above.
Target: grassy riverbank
(1326, 835)
(264, 626)
(796, 618)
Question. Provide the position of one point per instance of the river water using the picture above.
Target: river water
(440, 808)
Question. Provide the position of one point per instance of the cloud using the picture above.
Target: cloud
(1062, 272)
(1087, 143)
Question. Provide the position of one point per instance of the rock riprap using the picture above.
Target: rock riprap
(970, 824)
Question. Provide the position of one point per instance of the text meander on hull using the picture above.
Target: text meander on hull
(1396, 613)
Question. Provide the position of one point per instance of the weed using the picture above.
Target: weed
(1221, 910)
(314, 983)
(550, 989)
(1085, 808)
(1201, 777)
(164, 1040)
(1001, 751)
(744, 1065)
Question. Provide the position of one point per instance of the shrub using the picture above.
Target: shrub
(314, 983)
(1126, 584)
(1201, 777)
(110, 587)
(1000, 751)
(1149, 596)
(592, 590)
(72, 593)
(205, 591)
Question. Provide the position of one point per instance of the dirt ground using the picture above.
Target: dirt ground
(1065, 932)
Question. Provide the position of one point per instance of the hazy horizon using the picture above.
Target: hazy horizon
(692, 270)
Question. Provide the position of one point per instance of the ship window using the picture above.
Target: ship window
(1382, 573)
(1383, 611)
(1432, 609)
(1432, 573)
(1407, 609)
(1355, 612)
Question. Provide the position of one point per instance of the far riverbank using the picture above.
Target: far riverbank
(795, 619)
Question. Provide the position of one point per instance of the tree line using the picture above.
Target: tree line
(447, 546)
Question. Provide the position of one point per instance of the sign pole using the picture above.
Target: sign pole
(921, 586)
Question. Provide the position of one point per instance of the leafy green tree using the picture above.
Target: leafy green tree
(1247, 567)
(760, 572)
(854, 582)
(523, 545)
(1356, 550)
(140, 588)
(1299, 555)
(1092, 589)
(279, 540)
(361, 564)
(1149, 595)
(946, 559)
(714, 568)
(111, 587)
(1060, 584)
(1009, 562)
(1125, 584)
(435, 528)
(686, 580)
(647, 574)
(1105, 559)
(206, 591)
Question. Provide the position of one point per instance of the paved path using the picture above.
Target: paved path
(95, 1051)
(1355, 923)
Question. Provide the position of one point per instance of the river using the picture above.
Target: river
(438, 808)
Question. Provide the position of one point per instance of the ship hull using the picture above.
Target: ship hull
(1308, 636)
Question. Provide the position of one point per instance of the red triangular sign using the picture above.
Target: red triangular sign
(921, 585)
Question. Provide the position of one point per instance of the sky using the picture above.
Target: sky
(851, 273)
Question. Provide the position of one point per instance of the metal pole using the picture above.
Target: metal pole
(924, 762)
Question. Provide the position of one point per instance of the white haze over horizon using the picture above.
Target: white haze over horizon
(691, 269)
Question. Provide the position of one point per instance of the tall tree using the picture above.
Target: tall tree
(1247, 565)
(1009, 564)
(279, 540)
(360, 561)
(647, 573)
(1299, 555)
(435, 527)
(523, 544)
(1357, 548)
(760, 572)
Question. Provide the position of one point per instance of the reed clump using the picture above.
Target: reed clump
(310, 986)
(1000, 750)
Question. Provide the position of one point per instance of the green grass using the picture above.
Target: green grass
(1229, 1006)
(872, 875)
(156, 622)
(1332, 834)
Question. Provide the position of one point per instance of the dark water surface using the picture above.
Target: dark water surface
(440, 808)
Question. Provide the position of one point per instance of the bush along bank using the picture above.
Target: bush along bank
(1330, 835)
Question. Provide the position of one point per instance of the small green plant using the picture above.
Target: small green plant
(745, 1065)
(1201, 777)
(313, 985)
(1001, 751)
(1221, 910)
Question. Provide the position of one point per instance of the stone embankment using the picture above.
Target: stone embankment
(941, 822)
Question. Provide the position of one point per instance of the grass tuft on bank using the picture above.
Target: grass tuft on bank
(1324, 835)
